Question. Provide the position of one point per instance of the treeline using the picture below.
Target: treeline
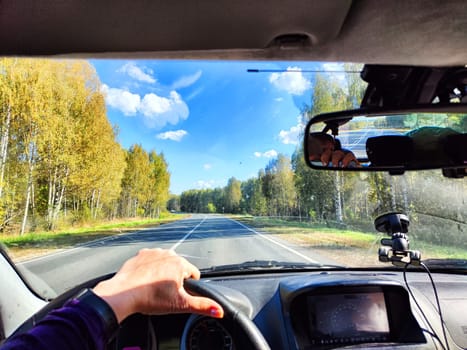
(287, 187)
(59, 156)
(272, 193)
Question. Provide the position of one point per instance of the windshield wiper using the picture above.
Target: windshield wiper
(266, 265)
(448, 264)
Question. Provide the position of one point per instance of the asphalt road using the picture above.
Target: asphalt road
(205, 240)
(355, 140)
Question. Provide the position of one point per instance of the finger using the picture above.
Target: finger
(326, 157)
(204, 306)
(337, 156)
(349, 157)
(191, 270)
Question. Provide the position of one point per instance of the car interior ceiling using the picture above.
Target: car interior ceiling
(391, 32)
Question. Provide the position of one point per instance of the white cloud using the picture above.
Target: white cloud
(279, 99)
(137, 73)
(122, 100)
(195, 93)
(157, 110)
(293, 82)
(207, 166)
(203, 184)
(293, 135)
(153, 104)
(268, 154)
(186, 81)
(176, 135)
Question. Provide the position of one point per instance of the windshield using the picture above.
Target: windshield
(101, 158)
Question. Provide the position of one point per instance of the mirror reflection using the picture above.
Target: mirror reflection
(403, 141)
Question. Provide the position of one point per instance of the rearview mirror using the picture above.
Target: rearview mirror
(389, 140)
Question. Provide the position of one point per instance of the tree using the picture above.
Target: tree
(173, 204)
(315, 189)
(59, 153)
(253, 200)
(211, 208)
(258, 204)
(281, 189)
(136, 181)
(160, 180)
(233, 195)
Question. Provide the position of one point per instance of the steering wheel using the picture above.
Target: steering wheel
(231, 311)
(193, 286)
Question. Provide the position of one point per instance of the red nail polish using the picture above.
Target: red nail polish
(214, 312)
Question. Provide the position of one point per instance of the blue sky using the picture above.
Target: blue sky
(212, 120)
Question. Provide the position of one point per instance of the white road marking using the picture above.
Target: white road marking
(186, 256)
(187, 235)
(277, 243)
(97, 241)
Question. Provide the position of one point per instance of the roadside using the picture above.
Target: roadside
(33, 245)
(341, 245)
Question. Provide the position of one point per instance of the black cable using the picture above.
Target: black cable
(433, 333)
(437, 303)
(254, 70)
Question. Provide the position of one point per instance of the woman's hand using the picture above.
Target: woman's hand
(340, 159)
(152, 283)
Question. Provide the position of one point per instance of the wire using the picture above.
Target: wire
(433, 333)
(253, 70)
(437, 303)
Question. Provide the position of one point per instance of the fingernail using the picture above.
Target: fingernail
(215, 312)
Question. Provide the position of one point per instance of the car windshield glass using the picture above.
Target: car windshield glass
(101, 158)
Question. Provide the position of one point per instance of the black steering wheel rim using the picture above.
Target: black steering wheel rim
(201, 288)
(193, 286)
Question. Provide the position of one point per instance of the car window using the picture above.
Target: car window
(96, 154)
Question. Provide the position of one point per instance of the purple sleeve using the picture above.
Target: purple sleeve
(74, 326)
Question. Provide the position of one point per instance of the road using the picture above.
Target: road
(355, 140)
(205, 240)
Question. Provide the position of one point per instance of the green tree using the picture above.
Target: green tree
(211, 208)
(59, 153)
(315, 189)
(160, 180)
(173, 204)
(281, 187)
(233, 195)
(136, 181)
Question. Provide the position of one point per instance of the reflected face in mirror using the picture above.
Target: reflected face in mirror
(327, 151)
(320, 145)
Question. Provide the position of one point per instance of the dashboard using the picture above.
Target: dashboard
(317, 310)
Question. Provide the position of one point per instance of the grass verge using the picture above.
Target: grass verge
(345, 246)
(40, 243)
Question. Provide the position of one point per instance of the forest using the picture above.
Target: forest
(288, 188)
(60, 160)
(61, 164)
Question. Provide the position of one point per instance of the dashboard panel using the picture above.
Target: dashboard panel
(347, 317)
(372, 314)
(316, 310)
